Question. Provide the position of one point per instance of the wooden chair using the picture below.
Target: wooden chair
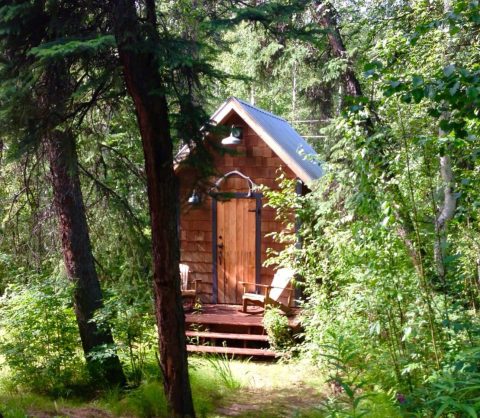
(188, 295)
(272, 292)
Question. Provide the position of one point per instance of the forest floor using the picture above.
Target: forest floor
(227, 388)
(274, 390)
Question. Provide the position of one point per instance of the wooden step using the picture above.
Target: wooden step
(227, 336)
(214, 319)
(258, 352)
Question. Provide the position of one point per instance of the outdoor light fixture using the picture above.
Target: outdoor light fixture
(194, 199)
(235, 136)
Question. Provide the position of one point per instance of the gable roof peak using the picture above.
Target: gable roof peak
(244, 103)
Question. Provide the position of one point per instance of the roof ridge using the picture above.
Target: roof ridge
(258, 109)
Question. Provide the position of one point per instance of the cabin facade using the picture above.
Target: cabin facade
(224, 226)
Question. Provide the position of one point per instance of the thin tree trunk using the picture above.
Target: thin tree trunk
(73, 228)
(145, 86)
(325, 14)
(445, 214)
(447, 210)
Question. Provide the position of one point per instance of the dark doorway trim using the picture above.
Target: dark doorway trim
(258, 235)
(299, 191)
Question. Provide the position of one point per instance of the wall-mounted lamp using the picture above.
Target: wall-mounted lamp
(235, 137)
(194, 199)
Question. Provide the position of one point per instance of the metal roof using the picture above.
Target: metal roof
(277, 133)
(292, 149)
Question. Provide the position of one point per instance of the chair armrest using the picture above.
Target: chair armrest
(258, 285)
(279, 287)
(264, 286)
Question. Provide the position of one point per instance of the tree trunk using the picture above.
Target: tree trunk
(145, 86)
(325, 14)
(73, 228)
(77, 253)
(445, 214)
(447, 210)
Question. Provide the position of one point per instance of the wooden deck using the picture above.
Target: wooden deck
(225, 329)
(232, 315)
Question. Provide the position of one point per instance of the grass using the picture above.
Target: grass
(221, 387)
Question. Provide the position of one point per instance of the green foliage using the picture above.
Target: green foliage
(40, 339)
(64, 48)
(147, 401)
(456, 388)
(348, 397)
(128, 308)
(278, 330)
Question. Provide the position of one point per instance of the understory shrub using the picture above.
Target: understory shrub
(128, 309)
(277, 328)
(455, 389)
(39, 335)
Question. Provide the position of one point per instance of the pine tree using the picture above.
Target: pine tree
(41, 49)
(139, 47)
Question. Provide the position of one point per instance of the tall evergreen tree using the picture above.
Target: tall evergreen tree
(38, 84)
(139, 45)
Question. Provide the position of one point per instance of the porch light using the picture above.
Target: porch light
(194, 199)
(235, 137)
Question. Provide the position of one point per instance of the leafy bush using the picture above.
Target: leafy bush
(362, 286)
(128, 309)
(277, 328)
(456, 388)
(40, 340)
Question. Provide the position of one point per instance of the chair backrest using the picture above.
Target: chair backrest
(184, 270)
(280, 281)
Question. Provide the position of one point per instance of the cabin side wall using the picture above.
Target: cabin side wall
(253, 159)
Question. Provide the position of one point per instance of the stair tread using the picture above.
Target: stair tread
(230, 350)
(213, 319)
(226, 335)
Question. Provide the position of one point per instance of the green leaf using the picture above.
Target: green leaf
(449, 70)
(445, 125)
(395, 83)
(418, 94)
(417, 81)
(453, 90)
(440, 410)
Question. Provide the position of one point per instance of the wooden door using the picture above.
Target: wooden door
(236, 256)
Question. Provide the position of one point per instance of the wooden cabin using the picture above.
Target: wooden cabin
(224, 224)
